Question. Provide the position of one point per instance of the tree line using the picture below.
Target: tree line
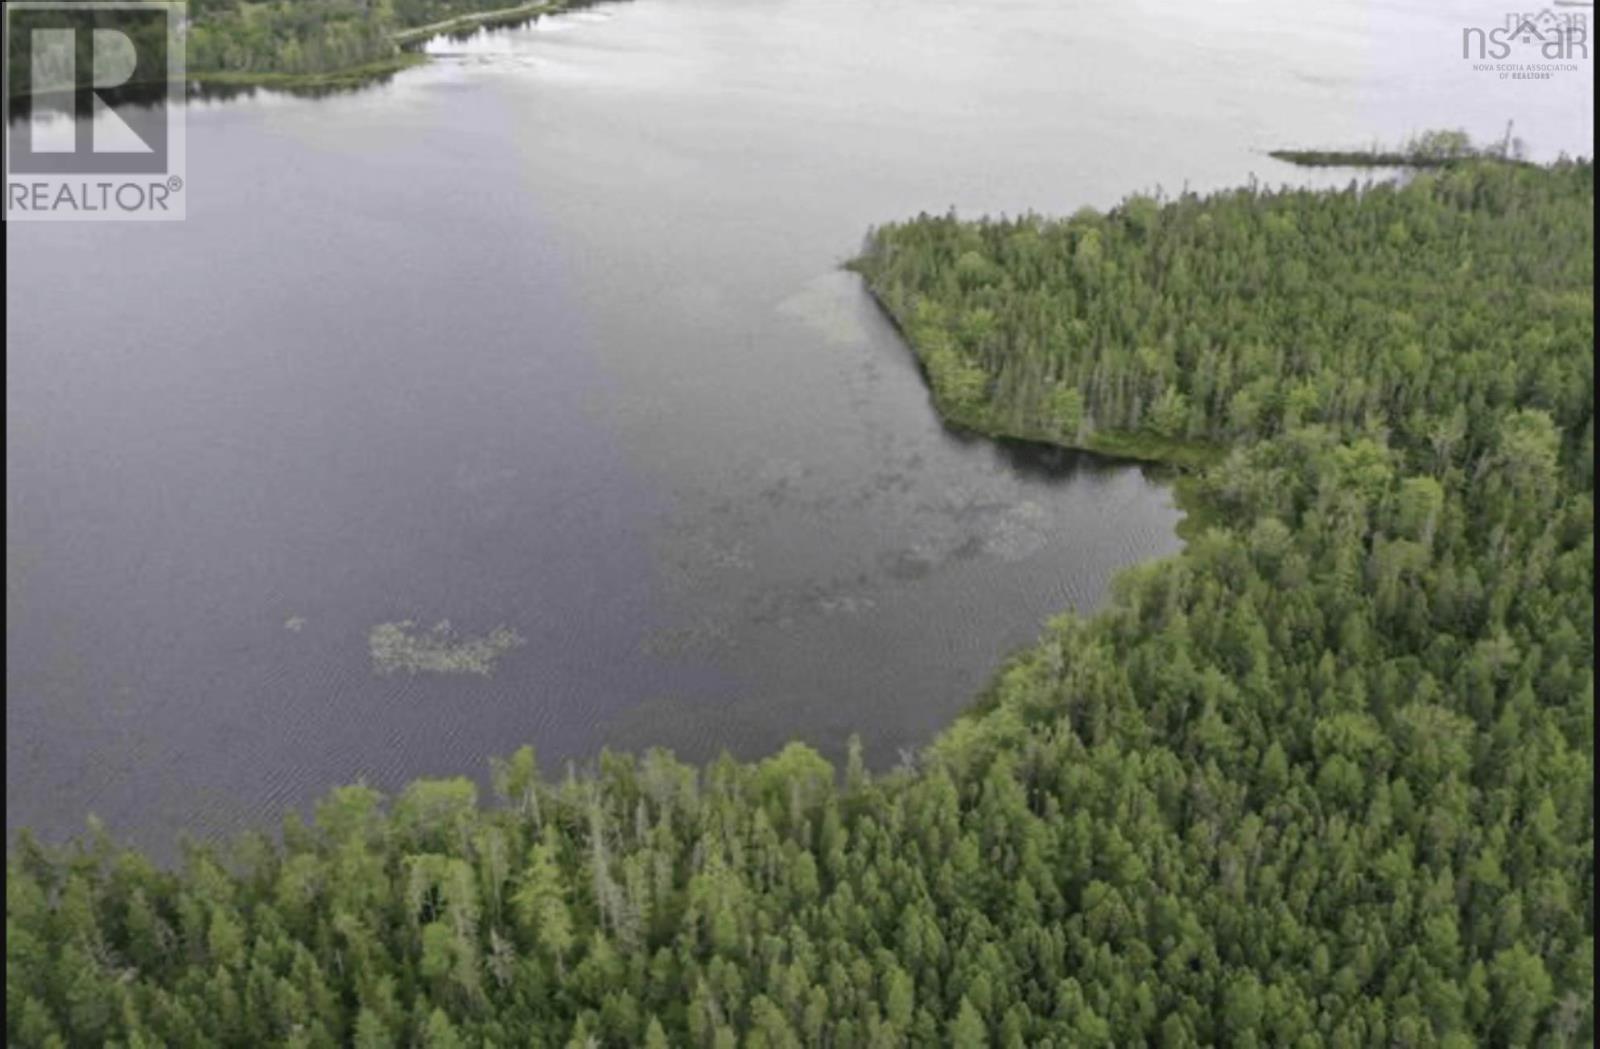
(279, 38)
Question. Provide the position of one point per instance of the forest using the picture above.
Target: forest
(1324, 779)
(288, 37)
(310, 42)
(315, 39)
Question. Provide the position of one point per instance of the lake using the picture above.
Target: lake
(522, 398)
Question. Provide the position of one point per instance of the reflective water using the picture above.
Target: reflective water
(548, 339)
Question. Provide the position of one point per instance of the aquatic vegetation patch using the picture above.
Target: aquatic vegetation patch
(830, 306)
(404, 646)
(703, 635)
(1018, 532)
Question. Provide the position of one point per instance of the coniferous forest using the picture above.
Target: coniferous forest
(1323, 779)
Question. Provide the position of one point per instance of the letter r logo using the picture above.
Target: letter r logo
(55, 76)
(94, 80)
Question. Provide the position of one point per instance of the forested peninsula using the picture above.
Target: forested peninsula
(1325, 779)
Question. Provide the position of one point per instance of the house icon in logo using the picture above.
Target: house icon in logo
(1526, 32)
(1557, 37)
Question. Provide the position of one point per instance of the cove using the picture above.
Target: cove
(549, 339)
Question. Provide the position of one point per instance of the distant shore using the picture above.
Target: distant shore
(1373, 158)
(405, 57)
(1432, 149)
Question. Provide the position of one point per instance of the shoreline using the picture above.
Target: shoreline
(349, 77)
(378, 70)
(407, 55)
(479, 20)
(1185, 461)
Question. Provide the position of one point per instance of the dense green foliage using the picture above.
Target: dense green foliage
(288, 36)
(310, 37)
(1324, 779)
(1248, 314)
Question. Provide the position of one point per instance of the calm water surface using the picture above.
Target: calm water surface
(550, 335)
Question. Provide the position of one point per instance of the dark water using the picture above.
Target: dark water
(549, 335)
